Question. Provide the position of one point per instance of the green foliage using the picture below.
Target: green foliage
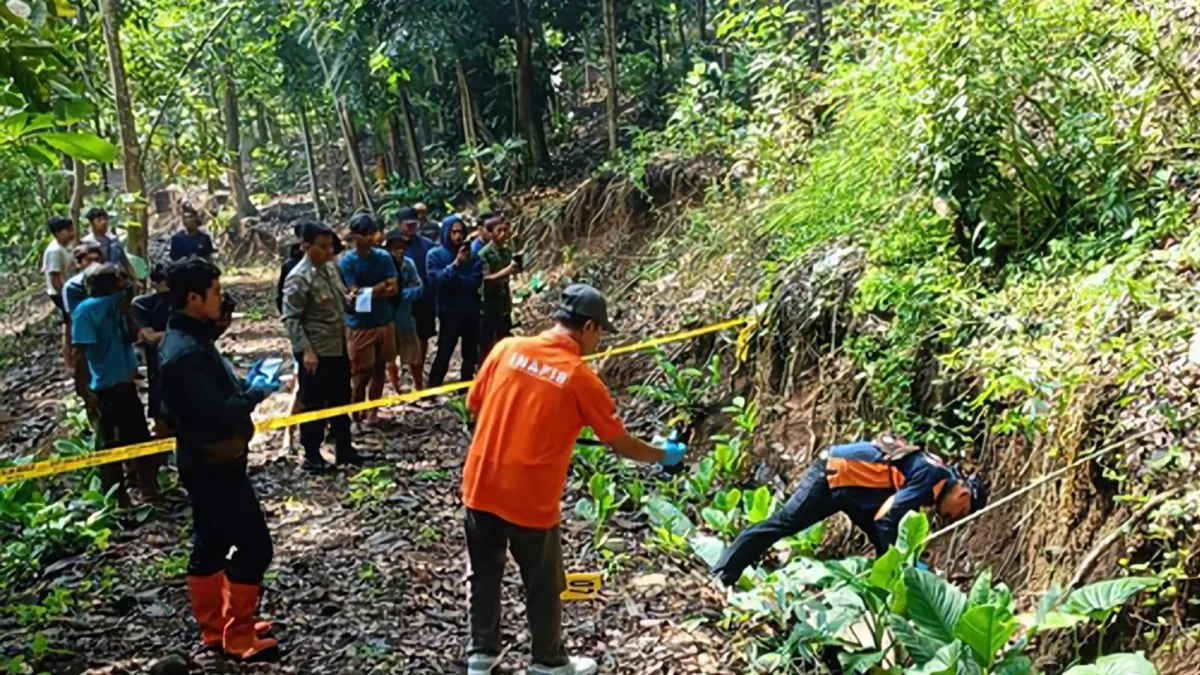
(599, 508)
(686, 390)
(941, 629)
(371, 486)
(36, 525)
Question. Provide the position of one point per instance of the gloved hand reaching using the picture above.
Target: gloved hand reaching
(261, 384)
(673, 452)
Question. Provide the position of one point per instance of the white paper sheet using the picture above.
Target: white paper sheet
(362, 303)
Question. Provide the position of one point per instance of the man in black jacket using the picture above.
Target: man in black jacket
(210, 407)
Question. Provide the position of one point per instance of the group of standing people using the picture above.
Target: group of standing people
(355, 317)
(93, 287)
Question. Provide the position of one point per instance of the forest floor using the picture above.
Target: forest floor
(369, 575)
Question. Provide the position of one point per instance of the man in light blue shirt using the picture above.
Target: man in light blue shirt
(103, 333)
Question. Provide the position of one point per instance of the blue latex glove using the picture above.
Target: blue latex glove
(263, 385)
(255, 371)
(673, 452)
(922, 566)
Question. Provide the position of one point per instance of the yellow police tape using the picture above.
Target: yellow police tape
(49, 467)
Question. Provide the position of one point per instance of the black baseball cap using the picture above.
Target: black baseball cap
(583, 300)
(407, 215)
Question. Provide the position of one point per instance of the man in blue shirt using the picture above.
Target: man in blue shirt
(370, 338)
(455, 276)
(111, 247)
(424, 308)
(190, 240)
(103, 334)
(408, 347)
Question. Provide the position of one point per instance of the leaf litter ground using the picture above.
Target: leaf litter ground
(371, 586)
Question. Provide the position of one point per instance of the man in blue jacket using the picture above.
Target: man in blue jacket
(408, 347)
(424, 308)
(455, 275)
(875, 483)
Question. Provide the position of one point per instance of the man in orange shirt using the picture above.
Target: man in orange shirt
(532, 398)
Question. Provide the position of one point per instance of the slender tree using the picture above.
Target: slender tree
(233, 144)
(130, 148)
(529, 110)
(610, 56)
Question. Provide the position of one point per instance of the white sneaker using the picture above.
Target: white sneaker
(579, 665)
(481, 664)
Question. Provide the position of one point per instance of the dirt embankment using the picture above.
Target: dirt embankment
(1076, 528)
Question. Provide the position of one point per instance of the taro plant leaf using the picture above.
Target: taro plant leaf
(860, 662)
(919, 646)
(1048, 602)
(914, 530)
(886, 569)
(668, 516)
(945, 661)
(981, 590)
(934, 605)
(709, 549)
(1101, 599)
(985, 629)
(585, 509)
(759, 507)
(1053, 621)
(1117, 664)
(1014, 665)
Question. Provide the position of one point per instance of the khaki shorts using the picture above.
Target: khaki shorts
(408, 347)
(370, 346)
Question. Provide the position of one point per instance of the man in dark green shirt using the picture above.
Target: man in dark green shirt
(498, 264)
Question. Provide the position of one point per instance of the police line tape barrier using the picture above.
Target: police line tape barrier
(49, 467)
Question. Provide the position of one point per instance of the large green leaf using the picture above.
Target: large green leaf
(985, 629)
(666, 515)
(1014, 665)
(860, 662)
(934, 605)
(886, 569)
(708, 549)
(914, 530)
(981, 590)
(946, 661)
(80, 145)
(1117, 664)
(1100, 599)
(919, 646)
(758, 506)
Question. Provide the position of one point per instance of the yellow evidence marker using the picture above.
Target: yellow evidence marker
(582, 586)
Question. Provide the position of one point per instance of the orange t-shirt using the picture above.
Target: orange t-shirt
(532, 398)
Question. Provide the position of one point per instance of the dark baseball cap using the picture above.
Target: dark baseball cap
(583, 300)
(407, 215)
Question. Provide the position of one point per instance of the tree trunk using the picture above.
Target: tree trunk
(610, 55)
(464, 97)
(529, 109)
(262, 130)
(412, 145)
(391, 146)
(816, 18)
(310, 160)
(131, 149)
(362, 192)
(679, 23)
(78, 187)
(656, 24)
(702, 20)
(233, 145)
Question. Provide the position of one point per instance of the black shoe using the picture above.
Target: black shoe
(314, 463)
(353, 457)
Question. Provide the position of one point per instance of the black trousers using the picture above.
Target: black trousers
(539, 555)
(226, 514)
(455, 327)
(122, 421)
(811, 503)
(492, 329)
(328, 387)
